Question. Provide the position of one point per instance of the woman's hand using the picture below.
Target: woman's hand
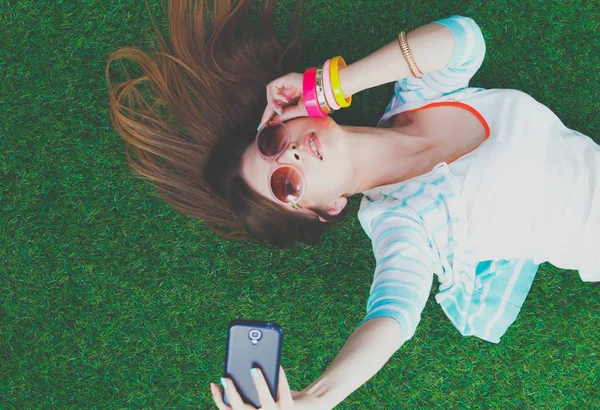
(284, 98)
(286, 399)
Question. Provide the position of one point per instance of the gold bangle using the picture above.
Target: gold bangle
(408, 57)
(321, 93)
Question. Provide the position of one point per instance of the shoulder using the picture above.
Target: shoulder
(398, 204)
(419, 201)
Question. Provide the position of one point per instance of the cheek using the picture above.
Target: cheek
(323, 184)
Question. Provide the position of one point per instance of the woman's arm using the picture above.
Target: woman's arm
(448, 52)
(367, 349)
(401, 285)
(431, 45)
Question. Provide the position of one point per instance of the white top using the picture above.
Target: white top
(532, 190)
(530, 193)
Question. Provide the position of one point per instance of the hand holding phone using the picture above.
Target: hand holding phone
(253, 344)
(286, 400)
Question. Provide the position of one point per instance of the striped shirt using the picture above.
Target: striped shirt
(419, 227)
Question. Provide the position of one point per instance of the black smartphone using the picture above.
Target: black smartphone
(253, 344)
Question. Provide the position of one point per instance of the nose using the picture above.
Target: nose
(291, 155)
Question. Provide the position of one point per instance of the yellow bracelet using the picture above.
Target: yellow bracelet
(334, 73)
(408, 57)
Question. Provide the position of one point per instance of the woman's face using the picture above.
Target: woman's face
(325, 169)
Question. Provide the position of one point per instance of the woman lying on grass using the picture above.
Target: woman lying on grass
(477, 186)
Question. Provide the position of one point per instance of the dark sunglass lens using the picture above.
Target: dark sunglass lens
(287, 184)
(272, 140)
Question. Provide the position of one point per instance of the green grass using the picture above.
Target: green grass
(110, 299)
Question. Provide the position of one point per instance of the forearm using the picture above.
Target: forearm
(431, 45)
(367, 349)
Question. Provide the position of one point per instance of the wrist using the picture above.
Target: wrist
(347, 83)
(325, 392)
(313, 400)
(351, 80)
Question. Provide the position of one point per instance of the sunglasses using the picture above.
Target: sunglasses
(285, 181)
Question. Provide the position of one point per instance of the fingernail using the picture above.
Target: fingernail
(224, 383)
(255, 374)
(277, 111)
(259, 124)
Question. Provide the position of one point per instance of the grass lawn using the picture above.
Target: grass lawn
(110, 299)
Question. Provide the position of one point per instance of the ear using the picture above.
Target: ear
(335, 207)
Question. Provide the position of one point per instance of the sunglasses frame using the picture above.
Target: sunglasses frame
(295, 204)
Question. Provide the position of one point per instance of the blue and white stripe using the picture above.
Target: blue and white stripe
(421, 230)
(419, 227)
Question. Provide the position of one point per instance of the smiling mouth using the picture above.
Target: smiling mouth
(313, 146)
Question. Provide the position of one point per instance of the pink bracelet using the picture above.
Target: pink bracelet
(327, 87)
(309, 93)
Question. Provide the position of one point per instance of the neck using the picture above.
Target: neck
(382, 156)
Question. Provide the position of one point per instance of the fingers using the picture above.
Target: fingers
(264, 394)
(284, 395)
(266, 117)
(276, 99)
(280, 92)
(218, 397)
(273, 101)
(293, 111)
(284, 89)
(288, 113)
(232, 395)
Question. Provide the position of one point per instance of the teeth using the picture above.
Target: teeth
(313, 146)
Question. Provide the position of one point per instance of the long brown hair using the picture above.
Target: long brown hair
(187, 118)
